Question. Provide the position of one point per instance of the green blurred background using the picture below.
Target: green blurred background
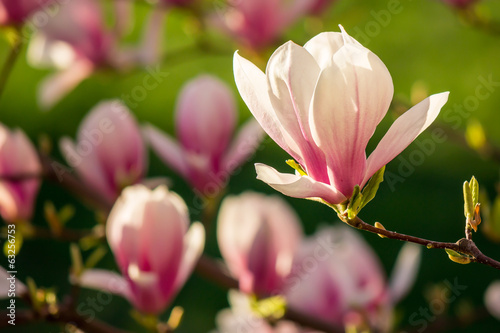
(426, 41)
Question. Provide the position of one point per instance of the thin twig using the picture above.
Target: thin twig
(464, 246)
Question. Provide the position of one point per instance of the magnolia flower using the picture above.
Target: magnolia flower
(77, 42)
(319, 6)
(177, 3)
(17, 11)
(154, 247)
(109, 152)
(18, 157)
(206, 154)
(492, 299)
(321, 103)
(258, 237)
(258, 23)
(241, 318)
(338, 278)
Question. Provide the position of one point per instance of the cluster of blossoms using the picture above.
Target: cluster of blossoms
(320, 102)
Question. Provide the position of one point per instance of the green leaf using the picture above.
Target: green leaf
(468, 206)
(371, 188)
(457, 257)
(354, 203)
(474, 186)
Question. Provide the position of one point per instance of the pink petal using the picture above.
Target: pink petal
(150, 48)
(5, 285)
(106, 281)
(167, 149)
(403, 131)
(352, 96)
(298, 186)
(87, 166)
(252, 85)
(492, 299)
(243, 146)
(194, 242)
(55, 87)
(404, 273)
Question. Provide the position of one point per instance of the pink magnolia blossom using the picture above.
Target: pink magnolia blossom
(177, 3)
(154, 247)
(109, 152)
(321, 103)
(319, 6)
(206, 153)
(18, 157)
(258, 23)
(258, 236)
(17, 11)
(492, 299)
(337, 277)
(77, 42)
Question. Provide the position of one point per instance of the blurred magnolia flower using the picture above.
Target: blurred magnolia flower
(76, 41)
(258, 23)
(337, 277)
(240, 318)
(318, 6)
(492, 299)
(18, 157)
(258, 236)
(154, 247)
(207, 153)
(109, 152)
(321, 103)
(17, 11)
(10, 286)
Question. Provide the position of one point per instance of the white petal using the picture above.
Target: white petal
(403, 131)
(492, 299)
(252, 85)
(297, 186)
(405, 271)
(106, 281)
(5, 285)
(58, 85)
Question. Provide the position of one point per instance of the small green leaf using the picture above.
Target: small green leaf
(354, 203)
(272, 307)
(458, 257)
(468, 206)
(371, 188)
(296, 166)
(76, 259)
(66, 213)
(96, 256)
(474, 186)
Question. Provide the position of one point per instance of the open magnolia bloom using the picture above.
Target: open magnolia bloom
(338, 277)
(154, 245)
(321, 103)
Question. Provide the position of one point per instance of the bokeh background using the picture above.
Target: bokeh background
(427, 46)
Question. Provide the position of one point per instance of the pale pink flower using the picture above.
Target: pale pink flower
(321, 103)
(17, 11)
(154, 247)
(492, 299)
(259, 23)
(338, 277)
(258, 236)
(77, 42)
(18, 157)
(241, 318)
(206, 153)
(109, 152)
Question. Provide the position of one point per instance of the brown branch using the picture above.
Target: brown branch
(464, 246)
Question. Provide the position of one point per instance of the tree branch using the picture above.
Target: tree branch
(464, 246)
